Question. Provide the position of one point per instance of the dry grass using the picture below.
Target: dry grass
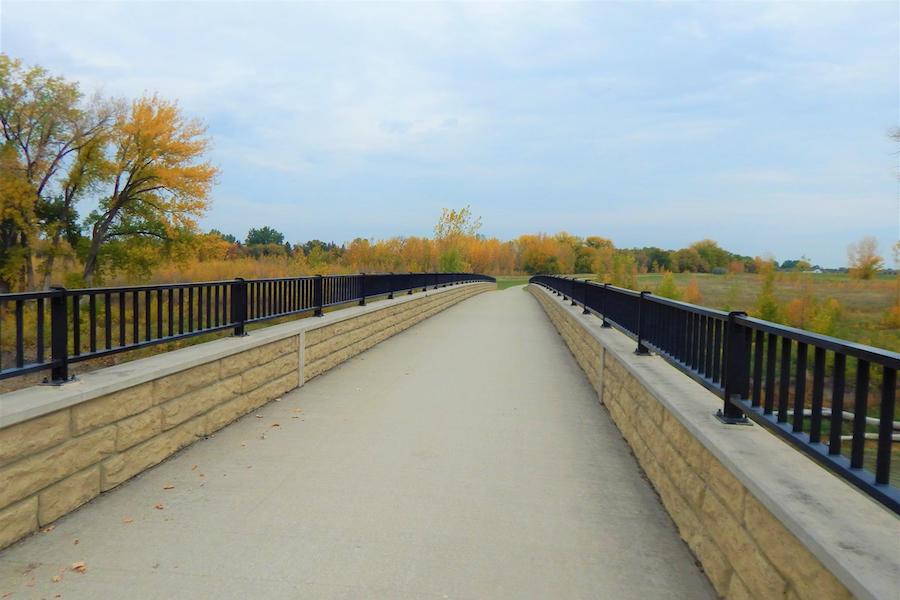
(865, 304)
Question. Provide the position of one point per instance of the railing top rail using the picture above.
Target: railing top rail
(694, 308)
(34, 295)
(862, 351)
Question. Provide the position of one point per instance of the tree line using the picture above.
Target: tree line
(96, 189)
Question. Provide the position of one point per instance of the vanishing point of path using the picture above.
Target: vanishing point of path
(467, 457)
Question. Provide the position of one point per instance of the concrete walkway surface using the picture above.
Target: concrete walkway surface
(467, 457)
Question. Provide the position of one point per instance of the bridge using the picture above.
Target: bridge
(463, 454)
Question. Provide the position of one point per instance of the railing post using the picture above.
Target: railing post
(362, 289)
(574, 286)
(239, 306)
(737, 370)
(319, 295)
(603, 306)
(409, 292)
(390, 286)
(641, 348)
(59, 336)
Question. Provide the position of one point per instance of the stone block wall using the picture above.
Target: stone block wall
(53, 463)
(745, 550)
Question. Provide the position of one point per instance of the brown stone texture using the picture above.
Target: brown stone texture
(32, 474)
(52, 464)
(30, 437)
(745, 550)
(67, 495)
(111, 408)
(18, 520)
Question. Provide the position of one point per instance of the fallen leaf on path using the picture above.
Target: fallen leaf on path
(158, 506)
(75, 543)
(79, 566)
(276, 424)
(259, 416)
(202, 475)
(128, 520)
(194, 468)
(295, 417)
(48, 528)
(56, 579)
(298, 410)
(169, 486)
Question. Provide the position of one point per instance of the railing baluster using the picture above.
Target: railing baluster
(107, 320)
(800, 388)
(40, 330)
(92, 321)
(159, 313)
(771, 356)
(20, 334)
(818, 392)
(860, 408)
(756, 400)
(886, 426)
(148, 318)
(837, 405)
(135, 318)
(784, 380)
(122, 318)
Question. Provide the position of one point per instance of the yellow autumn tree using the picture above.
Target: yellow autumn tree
(159, 182)
(863, 258)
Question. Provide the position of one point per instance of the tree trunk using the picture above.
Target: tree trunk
(90, 263)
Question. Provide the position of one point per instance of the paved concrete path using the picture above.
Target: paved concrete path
(464, 458)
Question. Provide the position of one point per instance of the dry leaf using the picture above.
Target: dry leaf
(56, 579)
(194, 468)
(298, 410)
(202, 475)
(169, 487)
(128, 520)
(48, 528)
(259, 416)
(159, 506)
(276, 424)
(79, 566)
(75, 543)
(295, 417)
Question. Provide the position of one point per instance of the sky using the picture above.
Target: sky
(761, 125)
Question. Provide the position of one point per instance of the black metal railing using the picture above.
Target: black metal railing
(832, 399)
(54, 329)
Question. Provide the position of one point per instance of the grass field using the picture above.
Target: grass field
(864, 304)
(506, 281)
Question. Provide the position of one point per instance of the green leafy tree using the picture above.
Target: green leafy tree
(767, 306)
(264, 235)
(667, 288)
